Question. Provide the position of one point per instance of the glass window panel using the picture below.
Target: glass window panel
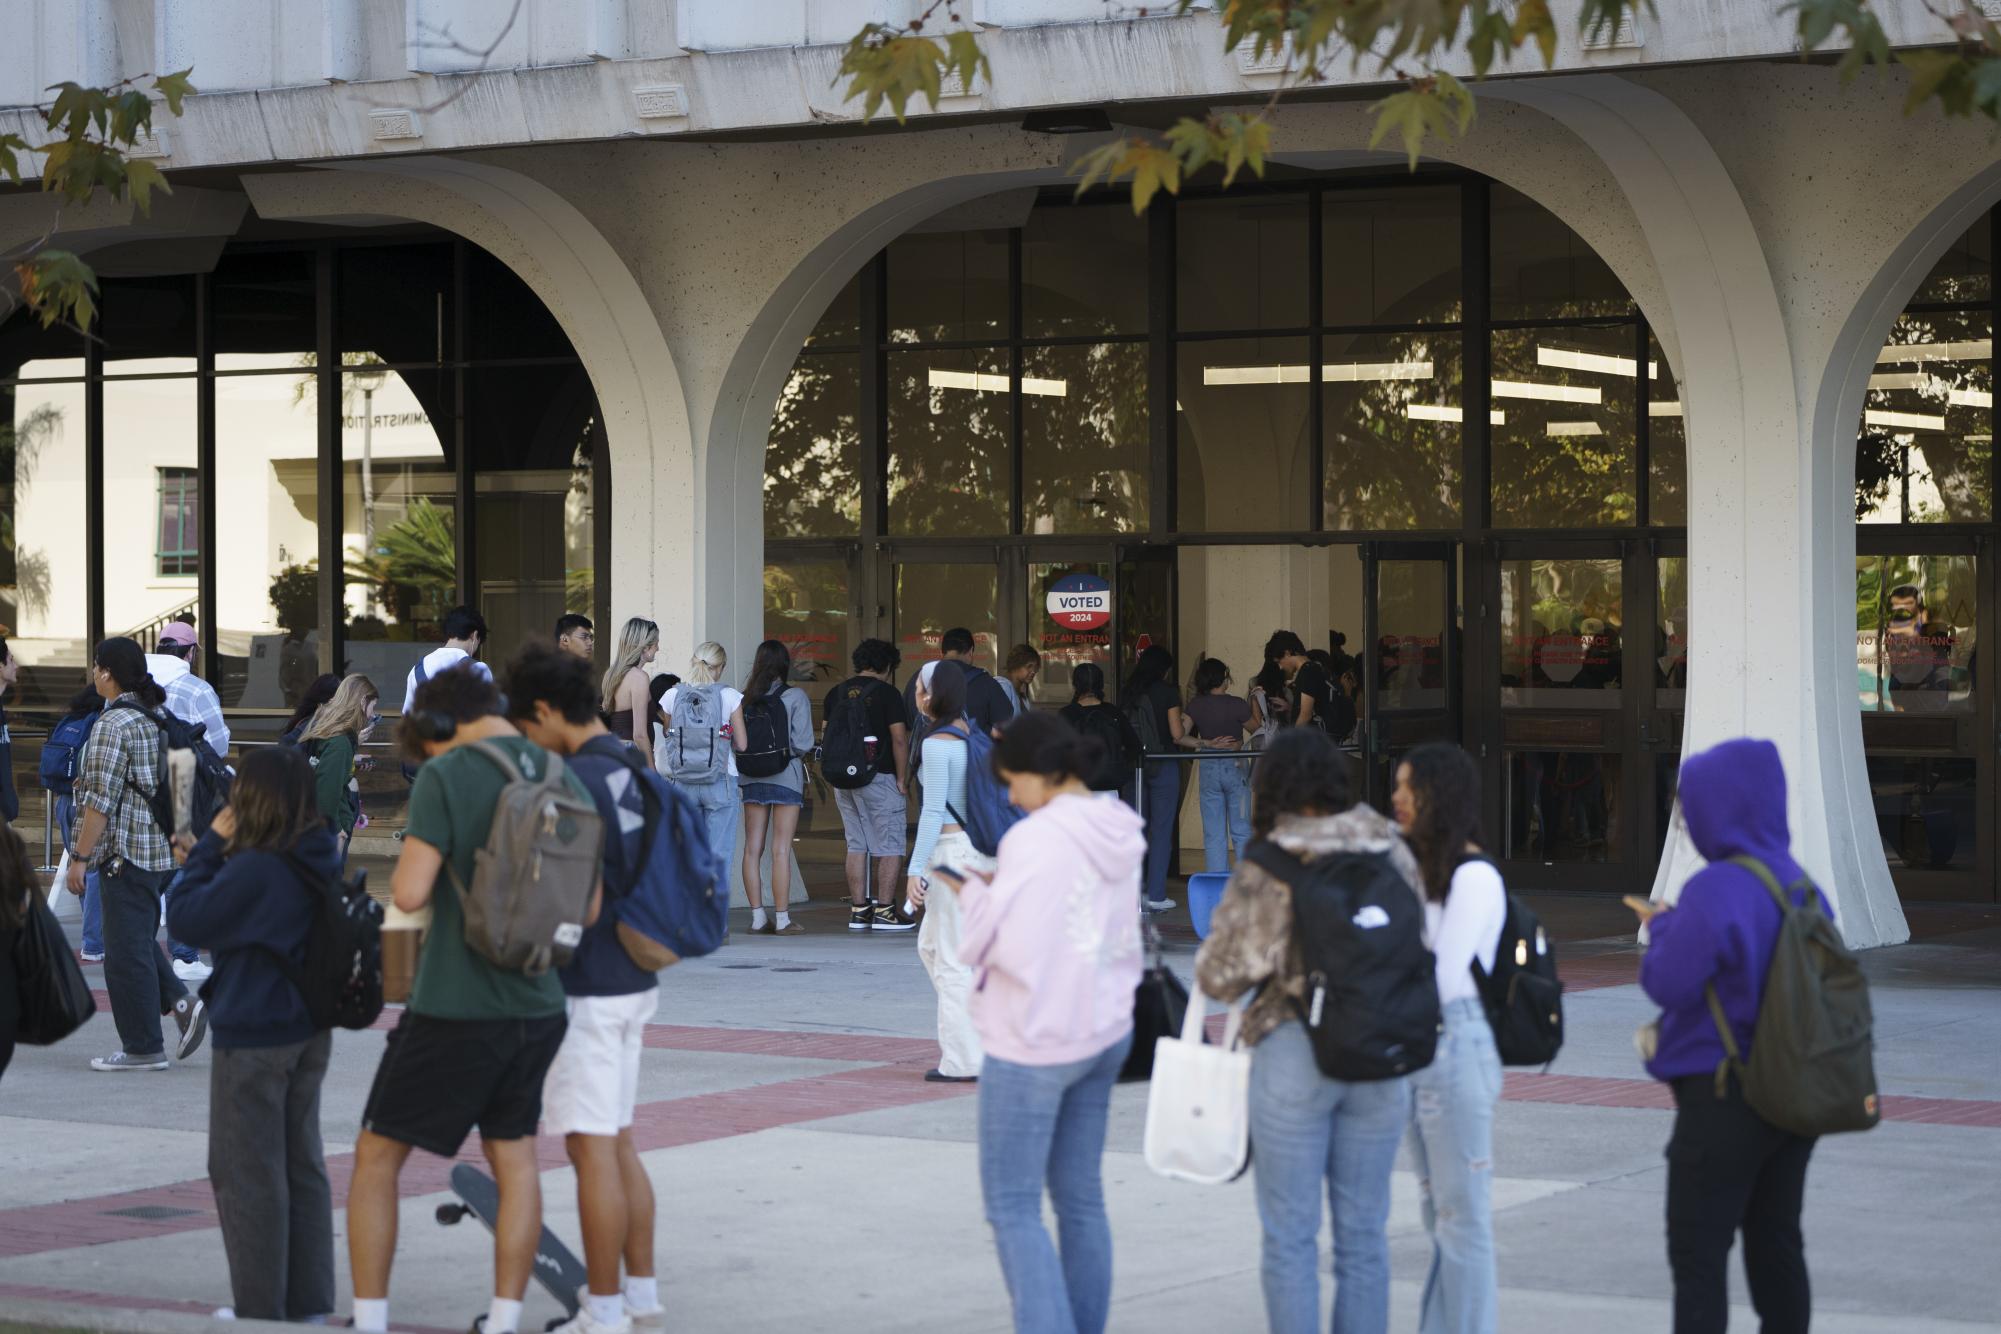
(1916, 631)
(1413, 614)
(1667, 442)
(1394, 449)
(806, 609)
(1671, 635)
(813, 459)
(267, 573)
(504, 317)
(44, 598)
(150, 488)
(1543, 270)
(147, 325)
(934, 597)
(1965, 272)
(395, 303)
(949, 431)
(1926, 453)
(1927, 811)
(1240, 263)
(1562, 622)
(1066, 644)
(263, 303)
(1083, 271)
(948, 286)
(399, 501)
(30, 352)
(1562, 806)
(840, 325)
(1390, 256)
(1243, 431)
(1562, 427)
(1084, 438)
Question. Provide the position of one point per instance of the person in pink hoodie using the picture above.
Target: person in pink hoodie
(1054, 940)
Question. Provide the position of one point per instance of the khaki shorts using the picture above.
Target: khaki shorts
(873, 817)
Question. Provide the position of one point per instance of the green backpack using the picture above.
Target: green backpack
(1810, 1070)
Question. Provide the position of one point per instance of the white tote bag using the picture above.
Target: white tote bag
(1198, 1113)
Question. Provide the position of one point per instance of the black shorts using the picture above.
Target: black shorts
(441, 1077)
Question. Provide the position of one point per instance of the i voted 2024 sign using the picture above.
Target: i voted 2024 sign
(1080, 602)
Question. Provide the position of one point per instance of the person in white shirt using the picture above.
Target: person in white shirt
(685, 758)
(1437, 802)
(192, 700)
(465, 636)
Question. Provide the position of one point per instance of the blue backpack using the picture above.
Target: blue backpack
(989, 814)
(677, 906)
(63, 751)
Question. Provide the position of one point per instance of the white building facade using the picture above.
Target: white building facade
(1581, 437)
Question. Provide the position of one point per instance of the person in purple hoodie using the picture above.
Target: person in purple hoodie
(1728, 1168)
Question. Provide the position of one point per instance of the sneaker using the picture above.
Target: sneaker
(1159, 905)
(655, 1318)
(582, 1323)
(90, 956)
(860, 915)
(118, 1062)
(192, 972)
(789, 929)
(888, 918)
(191, 1017)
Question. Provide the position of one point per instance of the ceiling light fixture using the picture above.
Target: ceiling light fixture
(988, 382)
(1443, 412)
(1559, 430)
(1569, 359)
(1553, 393)
(1978, 349)
(1904, 421)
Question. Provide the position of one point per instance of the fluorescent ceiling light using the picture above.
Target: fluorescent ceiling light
(1978, 349)
(1664, 409)
(1597, 363)
(1908, 421)
(1970, 398)
(1560, 429)
(1900, 380)
(987, 382)
(1225, 375)
(1554, 393)
(1441, 412)
(1352, 372)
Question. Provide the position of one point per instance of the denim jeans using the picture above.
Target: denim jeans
(268, 1170)
(1308, 1130)
(722, 812)
(1226, 812)
(179, 952)
(93, 908)
(1047, 1123)
(1452, 1143)
(1163, 807)
(136, 972)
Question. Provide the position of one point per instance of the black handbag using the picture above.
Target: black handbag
(1160, 1003)
(55, 999)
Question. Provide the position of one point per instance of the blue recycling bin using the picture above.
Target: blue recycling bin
(1205, 891)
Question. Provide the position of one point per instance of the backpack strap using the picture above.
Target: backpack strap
(1783, 897)
(1275, 861)
(650, 801)
(1732, 1057)
(502, 760)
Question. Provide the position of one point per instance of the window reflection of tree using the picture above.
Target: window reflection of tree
(812, 464)
(1926, 452)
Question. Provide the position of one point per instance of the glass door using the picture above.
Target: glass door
(936, 589)
(1410, 655)
(1068, 617)
(1146, 606)
(1664, 583)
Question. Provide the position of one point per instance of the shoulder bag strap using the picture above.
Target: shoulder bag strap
(1274, 861)
(500, 759)
(648, 799)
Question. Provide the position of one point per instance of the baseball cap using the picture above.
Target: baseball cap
(177, 633)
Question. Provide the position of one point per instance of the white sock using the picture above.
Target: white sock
(642, 1294)
(784, 920)
(371, 1314)
(757, 919)
(605, 1310)
(503, 1316)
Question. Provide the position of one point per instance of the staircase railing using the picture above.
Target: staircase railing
(148, 634)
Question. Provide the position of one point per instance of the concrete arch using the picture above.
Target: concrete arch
(595, 297)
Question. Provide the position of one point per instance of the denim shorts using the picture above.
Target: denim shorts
(772, 794)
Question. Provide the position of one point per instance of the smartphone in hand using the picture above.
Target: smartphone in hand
(1645, 910)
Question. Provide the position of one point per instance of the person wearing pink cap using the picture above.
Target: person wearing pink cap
(193, 700)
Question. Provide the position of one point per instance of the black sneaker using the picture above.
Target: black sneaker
(191, 1017)
(889, 918)
(860, 915)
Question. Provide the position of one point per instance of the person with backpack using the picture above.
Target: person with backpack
(62, 756)
(248, 894)
(865, 758)
(465, 636)
(1437, 804)
(124, 765)
(1054, 931)
(192, 700)
(319, 692)
(1219, 720)
(593, 1084)
(1153, 706)
(498, 832)
(625, 701)
(942, 841)
(1017, 680)
(331, 742)
(1711, 965)
(772, 730)
(1118, 751)
(1321, 1138)
(1269, 706)
(697, 753)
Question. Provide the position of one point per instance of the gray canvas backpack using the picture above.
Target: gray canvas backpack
(532, 882)
(697, 750)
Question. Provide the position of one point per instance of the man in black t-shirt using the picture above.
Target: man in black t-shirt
(1312, 690)
(866, 707)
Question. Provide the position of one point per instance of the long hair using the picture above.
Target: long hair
(273, 800)
(319, 692)
(1151, 668)
(945, 692)
(17, 878)
(1300, 771)
(1270, 679)
(346, 713)
(1446, 784)
(708, 664)
(772, 662)
(125, 661)
(638, 635)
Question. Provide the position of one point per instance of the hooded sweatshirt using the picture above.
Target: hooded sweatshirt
(1722, 930)
(1054, 934)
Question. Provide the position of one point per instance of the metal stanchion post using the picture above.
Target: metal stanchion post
(48, 832)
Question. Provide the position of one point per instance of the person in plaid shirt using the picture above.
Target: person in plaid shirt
(122, 763)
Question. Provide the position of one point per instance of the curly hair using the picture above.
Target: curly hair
(1302, 770)
(1446, 784)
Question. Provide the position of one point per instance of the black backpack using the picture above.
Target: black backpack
(1523, 996)
(1373, 1009)
(845, 761)
(341, 981)
(767, 735)
(1108, 726)
(1139, 714)
(212, 776)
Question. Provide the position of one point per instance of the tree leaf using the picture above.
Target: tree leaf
(1930, 71)
(141, 179)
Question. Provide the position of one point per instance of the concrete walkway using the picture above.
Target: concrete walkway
(810, 1180)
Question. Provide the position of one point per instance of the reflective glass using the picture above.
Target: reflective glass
(44, 592)
(806, 609)
(949, 429)
(1927, 811)
(1390, 256)
(948, 286)
(1543, 270)
(147, 325)
(1084, 438)
(1667, 443)
(1965, 272)
(840, 323)
(1413, 614)
(395, 303)
(1240, 263)
(504, 317)
(267, 580)
(1561, 806)
(1916, 633)
(812, 461)
(1926, 452)
(151, 493)
(1244, 435)
(1671, 635)
(1394, 441)
(30, 352)
(1083, 271)
(932, 598)
(1562, 627)
(263, 304)
(1059, 623)
(1562, 434)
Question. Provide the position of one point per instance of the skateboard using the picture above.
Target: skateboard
(559, 1272)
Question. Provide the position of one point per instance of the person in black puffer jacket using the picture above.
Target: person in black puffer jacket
(242, 897)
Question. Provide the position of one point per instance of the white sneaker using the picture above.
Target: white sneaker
(192, 972)
(581, 1323)
(1159, 905)
(646, 1320)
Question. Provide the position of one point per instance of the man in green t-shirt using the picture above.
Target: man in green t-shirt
(475, 1041)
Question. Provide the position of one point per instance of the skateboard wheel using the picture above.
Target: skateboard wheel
(449, 1214)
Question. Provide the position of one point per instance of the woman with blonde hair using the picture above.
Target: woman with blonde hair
(695, 750)
(332, 740)
(625, 700)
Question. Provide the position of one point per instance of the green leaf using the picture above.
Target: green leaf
(174, 87)
(56, 285)
(1532, 20)
(10, 164)
(1930, 73)
(141, 179)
